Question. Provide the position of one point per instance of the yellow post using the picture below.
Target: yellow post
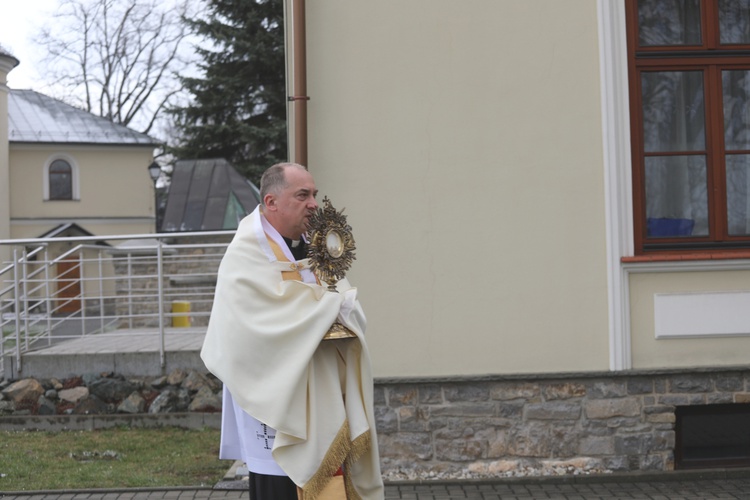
(181, 313)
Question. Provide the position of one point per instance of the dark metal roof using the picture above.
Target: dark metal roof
(207, 195)
(37, 118)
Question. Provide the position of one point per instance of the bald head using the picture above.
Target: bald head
(288, 193)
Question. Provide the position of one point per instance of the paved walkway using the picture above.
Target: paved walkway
(655, 488)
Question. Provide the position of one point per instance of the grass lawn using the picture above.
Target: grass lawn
(111, 458)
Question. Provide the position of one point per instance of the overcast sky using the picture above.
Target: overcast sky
(19, 22)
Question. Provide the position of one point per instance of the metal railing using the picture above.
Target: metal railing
(55, 289)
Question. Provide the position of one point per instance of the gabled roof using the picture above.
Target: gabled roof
(207, 195)
(37, 118)
(70, 229)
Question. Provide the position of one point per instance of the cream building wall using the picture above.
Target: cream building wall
(690, 318)
(6, 64)
(116, 194)
(465, 142)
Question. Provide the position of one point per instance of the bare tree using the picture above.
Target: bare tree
(118, 58)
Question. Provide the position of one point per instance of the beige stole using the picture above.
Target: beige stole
(335, 489)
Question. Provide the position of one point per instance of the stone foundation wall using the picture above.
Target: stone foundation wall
(577, 423)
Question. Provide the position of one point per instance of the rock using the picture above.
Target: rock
(182, 400)
(45, 406)
(91, 405)
(111, 393)
(7, 407)
(132, 404)
(195, 381)
(73, 395)
(111, 390)
(26, 390)
(90, 378)
(176, 377)
(159, 383)
(165, 402)
(205, 401)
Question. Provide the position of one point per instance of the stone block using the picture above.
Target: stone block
(504, 391)
(531, 440)
(464, 409)
(460, 450)
(664, 440)
(563, 391)
(378, 395)
(466, 392)
(691, 384)
(607, 390)
(413, 418)
(406, 446)
(386, 419)
(743, 397)
(402, 395)
(497, 445)
(640, 386)
(554, 410)
(431, 394)
(729, 383)
(634, 445)
(719, 398)
(608, 408)
(510, 410)
(597, 445)
(661, 418)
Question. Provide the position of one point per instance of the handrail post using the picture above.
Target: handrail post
(130, 291)
(47, 293)
(101, 292)
(17, 307)
(160, 287)
(25, 286)
(81, 292)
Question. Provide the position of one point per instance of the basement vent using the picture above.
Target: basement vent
(712, 436)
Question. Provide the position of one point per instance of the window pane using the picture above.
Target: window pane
(676, 196)
(738, 194)
(734, 21)
(673, 118)
(736, 91)
(669, 22)
(60, 181)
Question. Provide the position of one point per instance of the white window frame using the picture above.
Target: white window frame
(74, 176)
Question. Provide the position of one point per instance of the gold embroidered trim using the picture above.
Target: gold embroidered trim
(342, 452)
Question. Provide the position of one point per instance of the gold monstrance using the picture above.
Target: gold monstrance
(331, 252)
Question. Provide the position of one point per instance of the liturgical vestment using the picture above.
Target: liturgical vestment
(264, 342)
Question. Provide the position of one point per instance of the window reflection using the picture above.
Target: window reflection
(669, 22)
(60, 180)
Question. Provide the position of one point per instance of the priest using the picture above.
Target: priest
(298, 410)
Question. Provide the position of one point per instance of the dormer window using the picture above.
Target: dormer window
(61, 179)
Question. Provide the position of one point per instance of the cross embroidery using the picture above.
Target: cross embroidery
(266, 437)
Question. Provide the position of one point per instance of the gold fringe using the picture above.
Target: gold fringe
(360, 446)
(344, 452)
(335, 456)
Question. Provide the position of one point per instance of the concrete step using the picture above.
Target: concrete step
(126, 352)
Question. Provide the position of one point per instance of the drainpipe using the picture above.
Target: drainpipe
(298, 95)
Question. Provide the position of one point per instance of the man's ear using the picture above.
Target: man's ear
(269, 201)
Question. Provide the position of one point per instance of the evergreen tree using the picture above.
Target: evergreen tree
(238, 107)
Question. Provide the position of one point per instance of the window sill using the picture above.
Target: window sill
(693, 256)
